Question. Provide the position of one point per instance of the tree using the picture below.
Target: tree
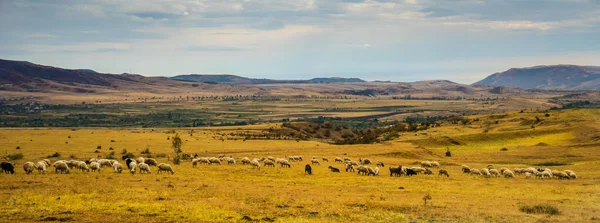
(176, 143)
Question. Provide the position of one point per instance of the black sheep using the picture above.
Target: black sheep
(7, 167)
(396, 171)
(410, 172)
(128, 161)
(307, 169)
(333, 169)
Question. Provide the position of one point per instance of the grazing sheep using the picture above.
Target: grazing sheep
(354, 163)
(376, 171)
(443, 172)
(364, 161)
(529, 170)
(527, 175)
(271, 158)
(28, 167)
(144, 168)
(372, 171)
(518, 171)
(428, 171)
(435, 164)
(230, 161)
(410, 172)
(418, 169)
(508, 174)
(396, 171)
(150, 161)
(315, 161)
(547, 174)
(560, 174)
(132, 167)
(47, 161)
(83, 167)
(503, 169)
(307, 169)
(73, 163)
(325, 159)
(41, 166)
(195, 162)
(495, 172)
(141, 159)
(572, 176)
(128, 161)
(362, 169)
(7, 167)
(491, 167)
(214, 160)
(349, 167)
(255, 163)
(117, 167)
(245, 161)
(466, 169)
(333, 169)
(204, 160)
(379, 164)
(475, 172)
(485, 172)
(346, 159)
(338, 160)
(163, 167)
(269, 163)
(62, 166)
(95, 166)
(425, 164)
(285, 163)
(105, 162)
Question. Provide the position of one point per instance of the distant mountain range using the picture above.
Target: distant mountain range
(237, 80)
(547, 77)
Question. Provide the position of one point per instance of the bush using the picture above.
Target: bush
(177, 160)
(110, 148)
(504, 149)
(130, 155)
(15, 156)
(448, 153)
(55, 155)
(18, 147)
(161, 155)
(124, 152)
(540, 209)
(146, 151)
(98, 147)
(109, 156)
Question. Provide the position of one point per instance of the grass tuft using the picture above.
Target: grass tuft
(540, 209)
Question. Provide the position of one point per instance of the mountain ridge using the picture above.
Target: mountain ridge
(562, 76)
(239, 80)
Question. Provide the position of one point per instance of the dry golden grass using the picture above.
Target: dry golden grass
(227, 193)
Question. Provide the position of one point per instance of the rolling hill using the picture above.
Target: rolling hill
(237, 80)
(547, 77)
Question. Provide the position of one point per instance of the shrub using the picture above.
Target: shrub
(18, 147)
(15, 156)
(540, 209)
(129, 155)
(96, 151)
(448, 153)
(177, 160)
(109, 156)
(98, 147)
(146, 151)
(504, 149)
(110, 148)
(161, 155)
(124, 152)
(55, 155)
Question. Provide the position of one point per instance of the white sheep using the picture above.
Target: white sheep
(417, 169)
(485, 172)
(435, 164)
(62, 166)
(144, 168)
(362, 169)
(338, 160)
(163, 167)
(132, 167)
(527, 175)
(475, 172)
(117, 167)
(41, 166)
(150, 161)
(230, 161)
(83, 167)
(269, 162)
(508, 174)
(95, 166)
(141, 159)
(494, 172)
(28, 167)
(105, 162)
(425, 164)
(255, 164)
(245, 161)
(365, 161)
(315, 161)
(214, 160)
(466, 169)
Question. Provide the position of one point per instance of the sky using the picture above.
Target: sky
(404, 40)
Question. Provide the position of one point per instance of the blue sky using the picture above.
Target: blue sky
(404, 40)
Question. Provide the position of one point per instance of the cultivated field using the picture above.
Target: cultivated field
(560, 139)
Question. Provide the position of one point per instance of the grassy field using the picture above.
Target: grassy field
(562, 139)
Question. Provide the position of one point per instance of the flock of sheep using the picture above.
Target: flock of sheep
(544, 173)
(361, 166)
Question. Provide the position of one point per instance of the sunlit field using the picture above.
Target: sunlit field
(560, 140)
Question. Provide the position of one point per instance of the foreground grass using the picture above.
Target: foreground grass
(228, 193)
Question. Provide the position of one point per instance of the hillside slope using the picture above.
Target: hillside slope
(547, 77)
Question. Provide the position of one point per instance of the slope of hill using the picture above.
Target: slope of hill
(547, 77)
(237, 80)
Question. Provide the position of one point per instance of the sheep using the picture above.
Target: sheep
(255, 163)
(572, 175)
(204, 160)
(418, 169)
(489, 167)
(144, 168)
(95, 166)
(28, 167)
(307, 169)
(105, 162)
(128, 161)
(372, 171)
(269, 163)
(395, 171)
(83, 167)
(364, 161)
(376, 171)
(41, 166)
(194, 162)
(354, 163)
(150, 161)
(117, 167)
(379, 164)
(475, 172)
(443, 172)
(325, 159)
(425, 164)
(214, 160)
(428, 171)
(245, 161)
(349, 167)
(315, 161)
(494, 172)
(285, 163)
(527, 175)
(73, 163)
(508, 174)
(338, 160)
(141, 159)
(271, 158)
(62, 166)
(518, 171)
(7, 167)
(230, 161)
(560, 174)
(362, 169)
(47, 161)
(410, 172)
(346, 159)
(538, 174)
(333, 169)
(435, 164)
(132, 167)
(547, 174)
(485, 172)
(466, 169)
(163, 167)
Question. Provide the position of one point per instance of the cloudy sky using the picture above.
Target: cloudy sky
(403, 40)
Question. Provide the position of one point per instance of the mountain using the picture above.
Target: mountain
(237, 80)
(547, 77)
